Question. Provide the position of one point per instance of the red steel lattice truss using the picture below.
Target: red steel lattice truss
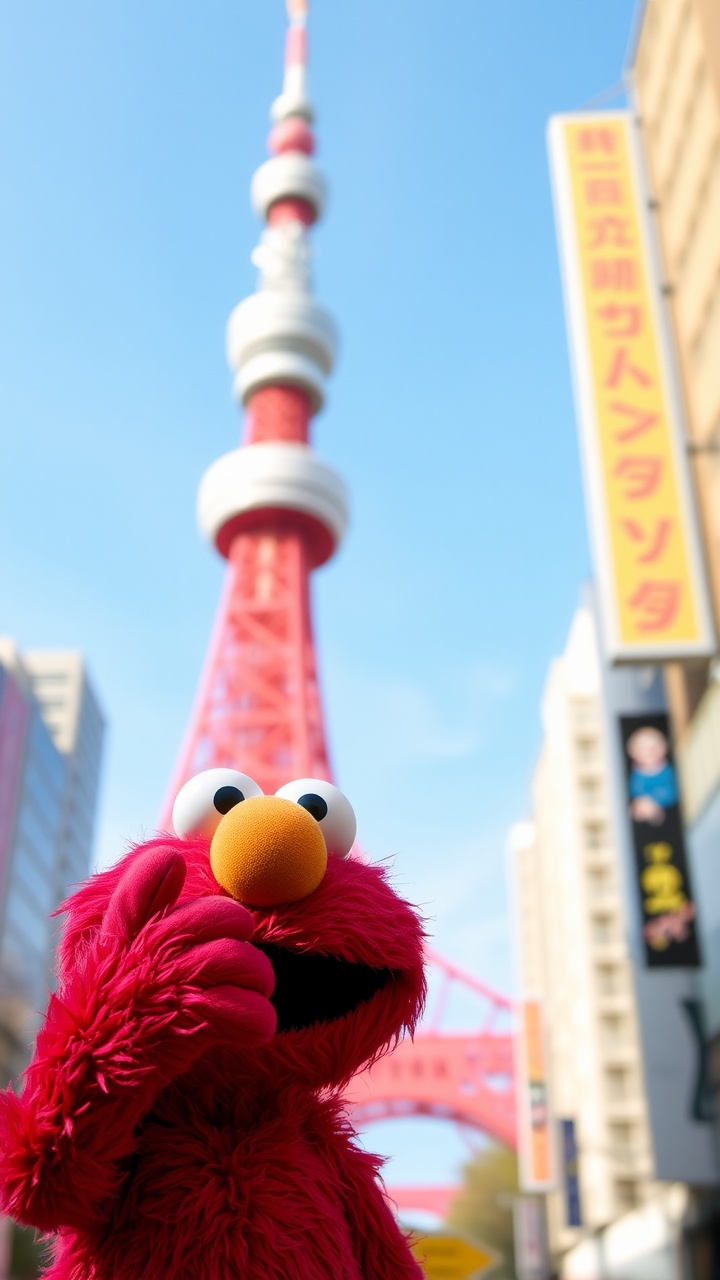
(463, 1077)
(259, 700)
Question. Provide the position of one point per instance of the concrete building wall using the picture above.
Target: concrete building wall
(572, 948)
(678, 100)
(675, 79)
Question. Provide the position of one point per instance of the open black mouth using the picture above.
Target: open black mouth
(311, 988)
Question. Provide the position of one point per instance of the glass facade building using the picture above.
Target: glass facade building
(51, 733)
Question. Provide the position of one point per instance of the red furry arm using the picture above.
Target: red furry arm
(154, 989)
(381, 1249)
(89, 1084)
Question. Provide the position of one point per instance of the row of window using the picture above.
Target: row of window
(619, 1084)
(627, 1194)
(37, 830)
(613, 1027)
(622, 1135)
(599, 882)
(77, 825)
(23, 962)
(591, 790)
(28, 981)
(610, 979)
(38, 886)
(595, 835)
(603, 929)
(614, 1031)
(84, 783)
(44, 754)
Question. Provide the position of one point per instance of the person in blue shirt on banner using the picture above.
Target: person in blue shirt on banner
(652, 783)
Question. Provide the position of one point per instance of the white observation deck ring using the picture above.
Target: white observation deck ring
(242, 488)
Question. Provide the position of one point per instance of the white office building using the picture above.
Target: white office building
(573, 955)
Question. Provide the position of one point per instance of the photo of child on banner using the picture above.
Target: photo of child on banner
(665, 892)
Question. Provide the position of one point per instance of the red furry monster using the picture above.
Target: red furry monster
(182, 1118)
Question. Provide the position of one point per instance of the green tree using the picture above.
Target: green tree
(482, 1209)
(27, 1255)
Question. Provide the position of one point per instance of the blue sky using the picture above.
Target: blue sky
(128, 138)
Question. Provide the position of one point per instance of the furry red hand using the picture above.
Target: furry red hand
(227, 982)
(158, 986)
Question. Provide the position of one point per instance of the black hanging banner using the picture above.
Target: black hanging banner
(664, 889)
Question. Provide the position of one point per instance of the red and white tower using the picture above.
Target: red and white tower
(272, 508)
(276, 512)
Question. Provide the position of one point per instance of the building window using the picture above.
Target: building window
(608, 979)
(590, 790)
(612, 1029)
(595, 835)
(598, 882)
(586, 749)
(626, 1194)
(602, 929)
(584, 712)
(617, 1080)
(621, 1136)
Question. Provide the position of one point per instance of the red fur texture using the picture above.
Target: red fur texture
(166, 1129)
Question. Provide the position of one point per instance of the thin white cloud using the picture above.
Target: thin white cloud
(413, 725)
(413, 721)
(492, 680)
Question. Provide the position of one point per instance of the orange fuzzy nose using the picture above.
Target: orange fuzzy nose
(267, 850)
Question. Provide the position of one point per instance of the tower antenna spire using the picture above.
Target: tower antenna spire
(271, 507)
(294, 99)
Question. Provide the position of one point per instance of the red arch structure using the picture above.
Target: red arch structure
(464, 1077)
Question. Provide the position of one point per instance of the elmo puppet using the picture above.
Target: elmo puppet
(182, 1118)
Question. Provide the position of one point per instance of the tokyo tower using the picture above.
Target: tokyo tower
(276, 512)
(271, 507)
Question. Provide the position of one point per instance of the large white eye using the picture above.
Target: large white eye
(201, 803)
(330, 808)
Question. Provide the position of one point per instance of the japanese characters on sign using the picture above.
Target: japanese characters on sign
(535, 1145)
(647, 551)
(668, 910)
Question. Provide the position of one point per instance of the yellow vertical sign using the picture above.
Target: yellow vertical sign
(534, 1126)
(648, 559)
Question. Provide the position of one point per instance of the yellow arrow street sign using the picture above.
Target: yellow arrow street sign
(450, 1257)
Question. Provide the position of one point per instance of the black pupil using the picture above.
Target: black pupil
(226, 798)
(314, 805)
